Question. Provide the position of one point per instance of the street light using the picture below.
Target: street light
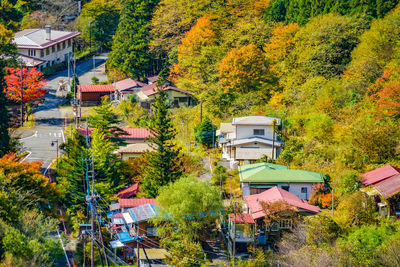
(52, 144)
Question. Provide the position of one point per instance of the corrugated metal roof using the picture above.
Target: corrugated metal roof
(37, 38)
(128, 192)
(128, 84)
(255, 120)
(273, 173)
(389, 186)
(131, 203)
(143, 212)
(273, 195)
(124, 237)
(242, 218)
(96, 88)
(133, 133)
(226, 127)
(379, 174)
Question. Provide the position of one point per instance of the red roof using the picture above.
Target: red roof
(128, 192)
(127, 84)
(151, 89)
(134, 202)
(379, 174)
(96, 88)
(117, 216)
(133, 133)
(386, 180)
(242, 218)
(275, 194)
(153, 78)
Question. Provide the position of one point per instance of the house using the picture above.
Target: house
(133, 150)
(126, 203)
(127, 87)
(128, 192)
(93, 93)
(152, 79)
(248, 139)
(133, 136)
(383, 184)
(42, 48)
(249, 227)
(258, 177)
(133, 225)
(177, 97)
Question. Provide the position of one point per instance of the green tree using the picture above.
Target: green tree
(130, 52)
(71, 171)
(104, 119)
(181, 230)
(103, 16)
(205, 133)
(163, 163)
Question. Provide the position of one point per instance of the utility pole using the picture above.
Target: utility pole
(92, 205)
(234, 233)
(102, 243)
(137, 246)
(22, 95)
(273, 138)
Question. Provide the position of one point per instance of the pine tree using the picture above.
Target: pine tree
(71, 172)
(163, 165)
(130, 53)
(104, 119)
(205, 132)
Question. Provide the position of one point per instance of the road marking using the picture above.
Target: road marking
(62, 133)
(33, 135)
(29, 153)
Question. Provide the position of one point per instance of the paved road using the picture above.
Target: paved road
(49, 121)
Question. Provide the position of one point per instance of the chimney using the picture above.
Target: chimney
(48, 32)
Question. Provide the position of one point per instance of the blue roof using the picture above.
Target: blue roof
(124, 237)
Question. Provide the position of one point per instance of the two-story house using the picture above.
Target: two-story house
(248, 139)
(258, 177)
(42, 48)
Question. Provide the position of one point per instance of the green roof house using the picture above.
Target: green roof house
(258, 177)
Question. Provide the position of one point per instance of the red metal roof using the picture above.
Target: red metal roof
(379, 174)
(128, 192)
(134, 202)
(389, 186)
(133, 133)
(242, 218)
(96, 88)
(151, 89)
(275, 194)
(127, 84)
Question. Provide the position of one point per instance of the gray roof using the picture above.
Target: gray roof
(36, 38)
(256, 139)
(226, 127)
(255, 120)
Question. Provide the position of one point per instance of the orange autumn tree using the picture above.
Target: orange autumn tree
(244, 70)
(192, 70)
(386, 93)
(23, 185)
(33, 84)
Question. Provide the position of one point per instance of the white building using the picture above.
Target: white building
(42, 48)
(247, 139)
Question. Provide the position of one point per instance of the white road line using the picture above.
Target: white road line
(26, 156)
(33, 135)
(62, 133)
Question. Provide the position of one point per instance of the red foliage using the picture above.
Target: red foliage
(33, 83)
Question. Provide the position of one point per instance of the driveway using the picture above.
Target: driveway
(48, 128)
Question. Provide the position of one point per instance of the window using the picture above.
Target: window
(151, 230)
(58, 47)
(63, 47)
(41, 53)
(258, 132)
(285, 187)
(285, 224)
(274, 227)
(53, 49)
(31, 52)
(47, 51)
(69, 42)
(304, 190)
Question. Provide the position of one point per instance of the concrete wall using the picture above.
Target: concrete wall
(294, 188)
(244, 131)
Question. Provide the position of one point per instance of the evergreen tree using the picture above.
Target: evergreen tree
(104, 119)
(130, 53)
(71, 172)
(163, 164)
(205, 132)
